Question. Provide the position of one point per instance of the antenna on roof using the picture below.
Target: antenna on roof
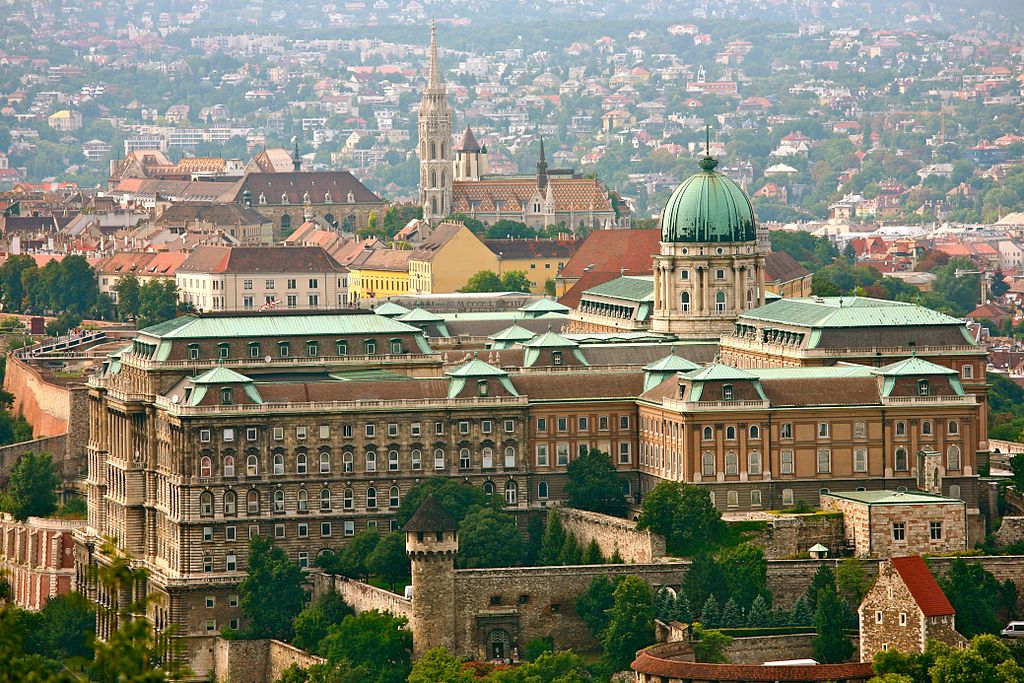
(707, 139)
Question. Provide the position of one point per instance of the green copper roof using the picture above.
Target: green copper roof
(217, 327)
(220, 375)
(544, 306)
(708, 207)
(914, 367)
(390, 308)
(476, 368)
(671, 363)
(720, 372)
(852, 311)
(513, 333)
(550, 340)
(892, 497)
(418, 315)
(628, 287)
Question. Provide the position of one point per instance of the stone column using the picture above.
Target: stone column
(760, 284)
(737, 303)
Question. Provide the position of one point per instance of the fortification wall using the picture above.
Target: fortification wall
(363, 597)
(47, 407)
(1011, 530)
(761, 649)
(243, 661)
(11, 454)
(613, 535)
(791, 535)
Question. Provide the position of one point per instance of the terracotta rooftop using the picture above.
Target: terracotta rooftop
(923, 586)
(652, 665)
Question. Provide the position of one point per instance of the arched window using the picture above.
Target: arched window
(732, 463)
(684, 299)
(901, 428)
(755, 432)
(286, 222)
(300, 463)
(303, 500)
(953, 427)
(488, 489)
(325, 462)
(278, 463)
(433, 155)
(708, 464)
(279, 501)
(709, 433)
(252, 502)
(953, 458)
(252, 466)
(465, 461)
(511, 493)
(347, 460)
(393, 497)
(901, 459)
(720, 301)
(754, 462)
(205, 467)
(325, 499)
(371, 497)
(417, 459)
(926, 427)
(730, 433)
(542, 489)
(433, 179)
(206, 504)
(486, 457)
(347, 499)
(392, 461)
(229, 503)
(329, 217)
(371, 461)
(350, 223)
(229, 465)
(510, 456)
(438, 458)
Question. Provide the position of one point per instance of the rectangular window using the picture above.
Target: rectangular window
(230, 533)
(563, 424)
(291, 284)
(325, 431)
(231, 564)
(414, 429)
(903, 618)
(860, 430)
(786, 431)
(899, 531)
(233, 600)
(325, 528)
(269, 284)
(463, 427)
(247, 302)
(935, 529)
(229, 434)
(303, 530)
(303, 559)
(204, 435)
(246, 284)
(207, 563)
(624, 422)
(485, 426)
(563, 454)
(346, 431)
(211, 625)
(824, 461)
(313, 283)
(314, 300)
(624, 454)
(542, 424)
(584, 424)
(279, 531)
(350, 528)
(392, 429)
(254, 530)
(370, 430)
(860, 460)
(278, 433)
(786, 462)
(542, 455)
(823, 430)
(251, 434)
(510, 426)
(300, 432)
(207, 534)
(602, 423)
(438, 428)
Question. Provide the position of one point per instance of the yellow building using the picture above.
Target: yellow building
(379, 273)
(446, 260)
(540, 259)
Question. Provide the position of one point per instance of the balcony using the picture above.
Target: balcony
(954, 399)
(275, 361)
(332, 406)
(693, 406)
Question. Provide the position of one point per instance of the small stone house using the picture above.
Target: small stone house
(889, 523)
(904, 609)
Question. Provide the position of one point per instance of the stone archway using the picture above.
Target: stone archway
(499, 644)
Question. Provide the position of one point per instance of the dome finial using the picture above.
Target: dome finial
(708, 163)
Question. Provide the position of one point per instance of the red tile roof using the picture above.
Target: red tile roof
(923, 586)
(652, 665)
(570, 194)
(612, 250)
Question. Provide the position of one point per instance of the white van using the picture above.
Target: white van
(1015, 629)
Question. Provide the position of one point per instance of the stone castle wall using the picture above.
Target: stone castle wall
(47, 407)
(243, 661)
(613, 535)
(1010, 531)
(761, 649)
(363, 597)
(12, 453)
(791, 535)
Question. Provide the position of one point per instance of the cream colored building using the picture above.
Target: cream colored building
(446, 260)
(261, 278)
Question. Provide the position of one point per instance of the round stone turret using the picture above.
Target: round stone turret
(432, 541)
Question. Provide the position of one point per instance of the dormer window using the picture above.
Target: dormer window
(482, 388)
(223, 350)
(312, 349)
(254, 349)
(193, 351)
(227, 396)
(727, 393)
(284, 349)
(284, 197)
(371, 347)
(923, 388)
(556, 357)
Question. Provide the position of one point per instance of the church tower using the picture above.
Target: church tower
(435, 129)
(432, 541)
(710, 267)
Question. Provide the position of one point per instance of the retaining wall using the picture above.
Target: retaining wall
(613, 535)
(363, 597)
(54, 445)
(213, 658)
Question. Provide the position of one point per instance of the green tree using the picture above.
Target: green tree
(592, 553)
(31, 487)
(549, 287)
(852, 581)
(439, 666)
(732, 615)
(998, 284)
(456, 498)
(684, 515)
(158, 302)
(760, 614)
(552, 541)
(592, 607)
(68, 624)
(975, 594)
(483, 281)
(824, 579)
(12, 293)
(710, 614)
(389, 560)
(594, 484)
(515, 281)
(710, 645)
(831, 645)
(352, 559)
(630, 623)
(271, 592)
(489, 538)
(745, 572)
(376, 643)
(550, 667)
(312, 623)
(128, 296)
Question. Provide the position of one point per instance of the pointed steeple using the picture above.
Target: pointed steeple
(296, 157)
(434, 80)
(542, 169)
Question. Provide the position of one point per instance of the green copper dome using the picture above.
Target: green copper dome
(708, 207)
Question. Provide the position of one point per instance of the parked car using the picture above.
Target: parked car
(1015, 629)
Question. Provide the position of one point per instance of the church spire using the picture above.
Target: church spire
(542, 168)
(434, 80)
